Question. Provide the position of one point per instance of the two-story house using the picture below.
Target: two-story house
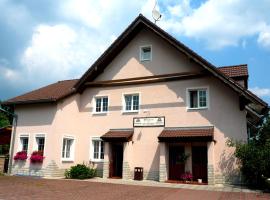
(148, 101)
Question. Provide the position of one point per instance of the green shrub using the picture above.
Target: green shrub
(80, 171)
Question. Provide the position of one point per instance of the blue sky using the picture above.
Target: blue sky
(46, 41)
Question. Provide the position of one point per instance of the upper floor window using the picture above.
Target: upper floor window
(131, 102)
(24, 140)
(68, 149)
(197, 98)
(146, 53)
(101, 104)
(98, 149)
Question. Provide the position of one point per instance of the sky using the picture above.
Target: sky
(42, 42)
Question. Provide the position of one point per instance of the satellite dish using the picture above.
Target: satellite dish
(156, 14)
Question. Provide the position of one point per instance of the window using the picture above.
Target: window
(24, 143)
(68, 149)
(131, 102)
(98, 149)
(198, 98)
(146, 53)
(101, 105)
(40, 143)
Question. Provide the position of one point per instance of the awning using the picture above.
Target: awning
(118, 135)
(178, 134)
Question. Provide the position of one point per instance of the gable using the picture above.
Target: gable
(246, 97)
(165, 60)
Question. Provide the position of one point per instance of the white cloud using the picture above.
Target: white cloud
(264, 37)
(261, 92)
(59, 52)
(221, 23)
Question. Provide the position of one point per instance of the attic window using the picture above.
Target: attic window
(146, 53)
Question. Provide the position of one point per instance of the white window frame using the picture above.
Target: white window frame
(72, 149)
(94, 105)
(206, 88)
(23, 135)
(35, 144)
(151, 52)
(92, 139)
(124, 102)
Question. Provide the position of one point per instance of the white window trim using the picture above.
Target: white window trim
(207, 98)
(91, 157)
(19, 146)
(72, 151)
(94, 105)
(144, 46)
(124, 105)
(35, 145)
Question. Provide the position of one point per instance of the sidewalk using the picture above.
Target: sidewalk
(225, 188)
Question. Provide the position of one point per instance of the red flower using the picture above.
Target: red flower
(21, 155)
(37, 157)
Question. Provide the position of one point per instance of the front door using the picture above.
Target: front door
(116, 162)
(176, 166)
(199, 163)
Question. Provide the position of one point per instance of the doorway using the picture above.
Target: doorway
(116, 161)
(176, 166)
(199, 163)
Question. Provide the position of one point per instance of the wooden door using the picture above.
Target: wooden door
(176, 167)
(116, 162)
(199, 163)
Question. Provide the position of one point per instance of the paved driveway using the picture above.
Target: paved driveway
(29, 188)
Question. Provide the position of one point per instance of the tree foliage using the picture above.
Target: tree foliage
(254, 156)
(4, 120)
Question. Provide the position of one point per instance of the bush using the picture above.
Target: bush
(254, 160)
(80, 171)
(21, 155)
(37, 157)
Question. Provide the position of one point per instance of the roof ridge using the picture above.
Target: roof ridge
(229, 66)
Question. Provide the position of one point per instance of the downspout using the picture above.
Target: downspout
(12, 139)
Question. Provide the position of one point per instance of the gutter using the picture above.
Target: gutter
(12, 139)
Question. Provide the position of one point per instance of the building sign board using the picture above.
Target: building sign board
(148, 121)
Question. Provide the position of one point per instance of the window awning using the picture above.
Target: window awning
(118, 135)
(178, 134)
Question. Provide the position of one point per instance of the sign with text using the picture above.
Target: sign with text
(148, 121)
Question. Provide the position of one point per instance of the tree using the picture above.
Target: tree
(4, 120)
(254, 156)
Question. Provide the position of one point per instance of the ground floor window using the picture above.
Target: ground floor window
(40, 143)
(68, 148)
(98, 149)
(24, 140)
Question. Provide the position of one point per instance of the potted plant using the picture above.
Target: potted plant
(187, 177)
(20, 156)
(37, 157)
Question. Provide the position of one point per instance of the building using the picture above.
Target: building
(148, 101)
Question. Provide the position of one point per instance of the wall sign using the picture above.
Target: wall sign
(148, 121)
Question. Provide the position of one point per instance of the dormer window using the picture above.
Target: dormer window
(146, 53)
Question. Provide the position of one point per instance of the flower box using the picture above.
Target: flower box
(37, 157)
(21, 155)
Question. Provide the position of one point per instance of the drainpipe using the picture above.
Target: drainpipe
(12, 139)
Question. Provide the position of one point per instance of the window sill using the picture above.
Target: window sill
(97, 160)
(191, 109)
(67, 160)
(99, 113)
(130, 112)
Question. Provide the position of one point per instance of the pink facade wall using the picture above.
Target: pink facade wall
(73, 116)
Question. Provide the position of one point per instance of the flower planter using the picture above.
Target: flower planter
(20, 156)
(37, 157)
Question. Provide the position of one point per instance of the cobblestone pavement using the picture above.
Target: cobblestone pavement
(35, 188)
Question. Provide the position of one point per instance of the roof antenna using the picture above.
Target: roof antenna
(155, 13)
